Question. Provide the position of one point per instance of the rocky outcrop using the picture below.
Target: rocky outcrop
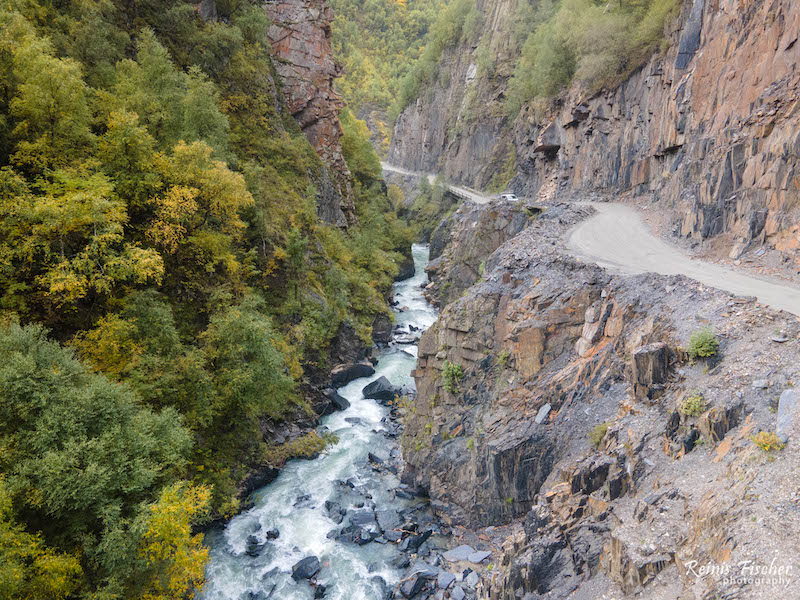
(463, 241)
(301, 40)
(549, 401)
(456, 126)
(709, 130)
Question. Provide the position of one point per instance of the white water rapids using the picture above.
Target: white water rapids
(348, 570)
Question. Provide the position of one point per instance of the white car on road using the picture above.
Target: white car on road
(509, 197)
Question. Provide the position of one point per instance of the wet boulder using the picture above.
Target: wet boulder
(254, 546)
(345, 373)
(334, 403)
(382, 329)
(335, 511)
(306, 568)
(382, 390)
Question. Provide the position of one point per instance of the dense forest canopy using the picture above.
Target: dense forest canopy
(166, 286)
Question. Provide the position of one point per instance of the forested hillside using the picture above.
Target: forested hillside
(167, 291)
(377, 42)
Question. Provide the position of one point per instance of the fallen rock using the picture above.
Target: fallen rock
(415, 541)
(461, 553)
(412, 586)
(479, 556)
(345, 373)
(306, 568)
(381, 389)
(445, 580)
(787, 405)
(457, 593)
(471, 580)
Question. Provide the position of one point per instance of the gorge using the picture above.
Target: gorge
(268, 330)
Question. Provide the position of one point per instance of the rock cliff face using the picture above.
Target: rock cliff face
(710, 130)
(456, 125)
(551, 399)
(301, 39)
(463, 241)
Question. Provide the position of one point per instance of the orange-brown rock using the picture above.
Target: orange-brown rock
(301, 40)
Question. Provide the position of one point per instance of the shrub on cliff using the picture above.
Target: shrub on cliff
(453, 374)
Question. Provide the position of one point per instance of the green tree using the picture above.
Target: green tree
(81, 454)
(49, 103)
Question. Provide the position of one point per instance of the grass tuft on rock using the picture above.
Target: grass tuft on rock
(598, 433)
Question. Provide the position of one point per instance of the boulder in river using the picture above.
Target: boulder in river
(382, 329)
(254, 547)
(382, 390)
(345, 373)
(306, 568)
(337, 401)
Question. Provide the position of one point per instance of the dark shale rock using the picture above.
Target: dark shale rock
(306, 568)
(345, 373)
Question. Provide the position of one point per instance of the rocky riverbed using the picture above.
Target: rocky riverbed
(344, 526)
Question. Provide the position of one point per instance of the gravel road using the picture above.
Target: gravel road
(617, 239)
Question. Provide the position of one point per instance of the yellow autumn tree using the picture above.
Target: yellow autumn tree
(198, 218)
(68, 241)
(175, 559)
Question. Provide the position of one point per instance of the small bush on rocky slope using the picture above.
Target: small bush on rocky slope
(703, 344)
(597, 434)
(767, 441)
(692, 405)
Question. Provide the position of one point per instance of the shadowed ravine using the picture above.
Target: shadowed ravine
(294, 503)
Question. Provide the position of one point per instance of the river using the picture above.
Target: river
(294, 504)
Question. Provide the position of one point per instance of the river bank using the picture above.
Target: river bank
(346, 509)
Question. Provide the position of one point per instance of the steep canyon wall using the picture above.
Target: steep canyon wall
(710, 129)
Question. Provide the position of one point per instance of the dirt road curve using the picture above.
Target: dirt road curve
(467, 193)
(617, 239)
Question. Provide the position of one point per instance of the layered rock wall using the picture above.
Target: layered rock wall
(710, 130)
(455, 127)
(301, 40)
